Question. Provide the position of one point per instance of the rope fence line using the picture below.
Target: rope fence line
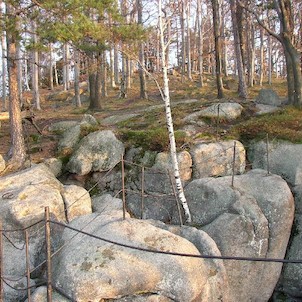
(48, 221)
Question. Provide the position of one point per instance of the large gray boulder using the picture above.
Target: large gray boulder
(216, 159)
(229, 111)
(291, 280)
(23, 198)
(91, 270)
(158, 199)
(285, 159)
(268, 97)
(251, 219)
(98, 151)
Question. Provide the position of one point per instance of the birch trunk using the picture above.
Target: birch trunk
(166, 97)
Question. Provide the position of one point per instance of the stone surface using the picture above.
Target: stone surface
(163, 163)
(77, 201)
(268, 97)
(54, 165)
(106, 203)
(229, 111)
(69, 139)
(18, 294)
(291, 280)
(2, 163)
(253, 218)
(216, 159)
(61, 126)
(91, 270)
(98, 151)
(285, 159)
(40, 295)
(23, 198)
(263, 109)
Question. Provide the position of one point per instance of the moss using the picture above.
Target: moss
(285, 124)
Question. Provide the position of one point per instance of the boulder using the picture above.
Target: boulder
(229, 111)
(291, 280)
(251, 219)
(285, 159)
(60, 127)
(54, 165)
(91, 270)
(163, 163)
(69, 139)
(2, 164)
(40, 295)
(263, 109)
(23, 198)
(15, 290)
(83, 98)
(98, 151)
(216, 159)
(268, 97)
(77, 201)
(106, 203)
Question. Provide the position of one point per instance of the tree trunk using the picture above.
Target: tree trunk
(242, 89)
(183, 41)
(35, 70)
(200, 43)
(20, 74)
(103, 74)
(4, 72)
(66, 75)
(166, 97)
(217, 31)
(269, 59)
(77, 79)
(142, 77)
(189, 63)
(116, 69)
(17, 151)
(50, 67)
(261, 72)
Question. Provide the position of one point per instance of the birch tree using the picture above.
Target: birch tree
(166, 98)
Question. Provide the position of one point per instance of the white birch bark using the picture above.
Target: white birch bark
(166, 97)
(50, 67)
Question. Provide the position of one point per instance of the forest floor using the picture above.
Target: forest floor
(57, 106)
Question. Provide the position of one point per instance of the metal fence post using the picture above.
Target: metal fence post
(48, 255)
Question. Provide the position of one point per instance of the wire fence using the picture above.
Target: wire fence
(46, 223)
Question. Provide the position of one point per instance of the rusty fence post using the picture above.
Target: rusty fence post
(233, 166)
(142, 192)
(1, 263)
(27, 264)
(123, 188)
(48, 255)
